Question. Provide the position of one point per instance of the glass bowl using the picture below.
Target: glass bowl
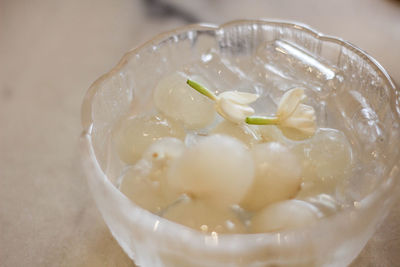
(366, 107)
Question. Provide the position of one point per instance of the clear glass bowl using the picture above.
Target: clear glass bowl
(367, 107)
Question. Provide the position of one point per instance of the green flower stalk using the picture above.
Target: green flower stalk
(232, 105)
(291, 114)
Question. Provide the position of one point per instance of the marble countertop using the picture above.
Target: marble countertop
(51, 51)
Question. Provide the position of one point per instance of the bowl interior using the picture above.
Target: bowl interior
(356, 95)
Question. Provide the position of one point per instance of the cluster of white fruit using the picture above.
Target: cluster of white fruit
(254, 167)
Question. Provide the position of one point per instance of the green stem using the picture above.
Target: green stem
(201, 89)
(262, 120)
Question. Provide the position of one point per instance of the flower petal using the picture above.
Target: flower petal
(237, 97)
(302, 119)
(232, 111)
(289, 102)
(304, 111)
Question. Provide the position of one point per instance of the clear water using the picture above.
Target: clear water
(275, 68)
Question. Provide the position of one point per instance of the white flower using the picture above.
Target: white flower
(295, 115)
(233, 105)
(296, 120)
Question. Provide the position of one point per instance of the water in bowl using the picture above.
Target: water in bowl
(327, 161)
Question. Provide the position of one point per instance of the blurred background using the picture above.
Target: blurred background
(50, 53)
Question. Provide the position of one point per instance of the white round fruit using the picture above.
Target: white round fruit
(176, 99)
(331, 154)
(136, 134)
(277, 176)
(164, 149)
(202, 216)
(285, 215)
(243, 132)
(271, 133)
(146, 191)
(218, 169)
(326, 159)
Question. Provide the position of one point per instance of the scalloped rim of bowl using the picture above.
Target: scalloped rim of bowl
(231, 242)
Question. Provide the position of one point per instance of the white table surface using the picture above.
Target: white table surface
(51, 51)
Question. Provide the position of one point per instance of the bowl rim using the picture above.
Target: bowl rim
(86, 107)
(227, 242)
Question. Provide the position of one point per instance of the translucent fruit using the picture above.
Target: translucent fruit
(164, 149)
(142, 185)
(326, 160)
(192, 138)
(137, 133)
(174, 98)
(243, 132)
(204, 217)
(277, 176)
(218, 169)
(285, 215)
(160, 155)
(271, 133)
